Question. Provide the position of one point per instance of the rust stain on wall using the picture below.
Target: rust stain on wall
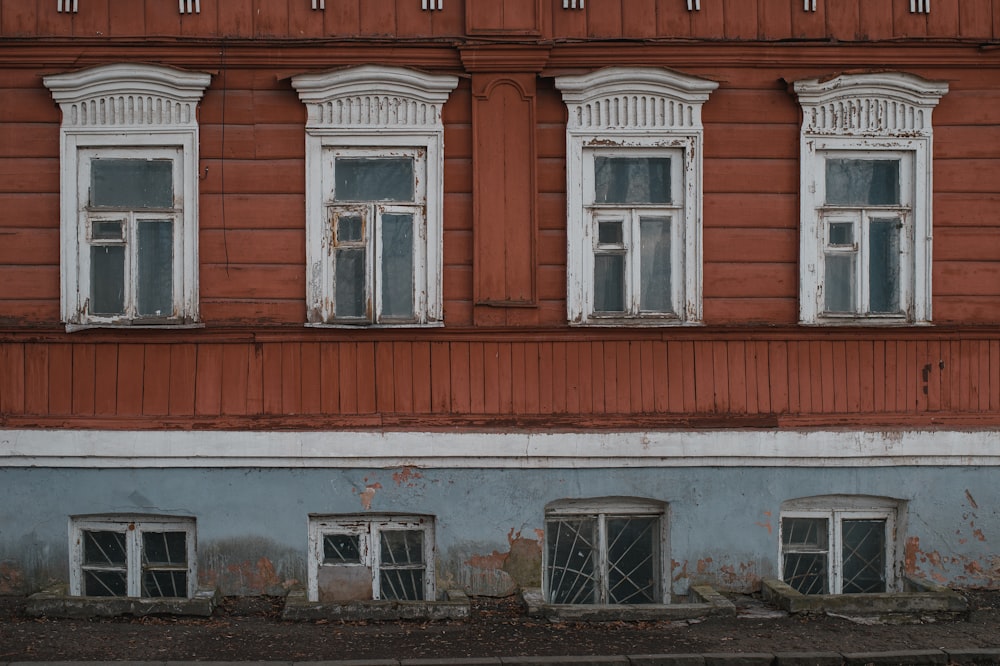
(766, 523)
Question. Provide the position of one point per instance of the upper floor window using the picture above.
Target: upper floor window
(129, 194)
(839, 545)
(866, 190)
(633, 192)
(374, 190)
(605, 551)
(132, 556)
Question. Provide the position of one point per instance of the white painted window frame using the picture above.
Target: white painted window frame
(139, 109)
(871, 114)
(634, 110)
(600, 509)
(834, 554)
(380, 109)
(368, 528)
(133, 526)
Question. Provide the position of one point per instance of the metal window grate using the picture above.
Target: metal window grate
(863, 556)
(571, 551)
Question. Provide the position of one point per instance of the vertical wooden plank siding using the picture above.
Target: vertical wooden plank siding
(61, 379)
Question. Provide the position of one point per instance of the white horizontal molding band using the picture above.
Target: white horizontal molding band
(728, 448)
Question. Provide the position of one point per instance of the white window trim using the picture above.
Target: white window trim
(836, 509)
(368, 527)
(381, 109)
(645, 109)
(127, 107)
(873, 113)
(600, 508)
(133, 526)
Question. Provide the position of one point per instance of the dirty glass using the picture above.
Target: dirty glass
(840, 284)
(155, 268)
(841, 233)
(804, 544)
(341, 549)
(164, 584)
(397, 265)
(350, 229)
(609, 283)
(374, 179)
(863, 557)
(164, 548)
(105, 583)
(106, 230)
(609, 232)
(632, 575)
(107, 279)
(401, 572)
(883, 276)
(654, 264)
(632, 180)
(104, 548)
(131, 183)
(571, 550)
(349, 286)
(851, 182)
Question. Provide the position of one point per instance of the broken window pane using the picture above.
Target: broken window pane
(884, 265)
(107, 279)
(349, 283)
(851, 182)
(397, 265)
(341, 549)
(164, 548)
(632, 571)
(863, 556)
(132, 184)
(155, 268)
(840, 286)
(632, 180)
(571, 573)
(374, 179)
(654, 265)
(609, 283)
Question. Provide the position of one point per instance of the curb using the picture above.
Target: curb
(945, 657)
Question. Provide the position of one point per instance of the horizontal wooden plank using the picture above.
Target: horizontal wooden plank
(748, 245)
(727, 280)
(258, 246)
(252, 211)
(967, 278)
(966, 243)
(239, 281)
(20, 139)
(28, 247)
(29, 282)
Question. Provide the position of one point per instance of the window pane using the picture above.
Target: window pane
(609, 283)
(105, 584)
(654, 265)
(397, 265)
(164, 548)
(863, 555)
(806, 572)
(610, 232)
(350, 283)
(127, 183)
(632, 180)
(106, 230)
(164, 584)
(402, 547)
(107, 279)
(104, 548)
(570, 548)
(632, 571)
(805, 532)
(402, 584)
(155, 268)
(840, 287)
(841, 233)
(884, 265)
(349, 229)
(862, 182)
(341, 549)
(374, 179)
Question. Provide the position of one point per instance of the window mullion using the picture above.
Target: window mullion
(370, 549)
(835, 539)
(373, 251)
(133, 542)
(864, 262)
(602, 559)
(632, 268)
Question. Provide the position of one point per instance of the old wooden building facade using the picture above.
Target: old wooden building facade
(322, 282)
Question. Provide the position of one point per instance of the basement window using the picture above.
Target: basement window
(845, 547)
(605, 551)
(132, 556)
(371, 557)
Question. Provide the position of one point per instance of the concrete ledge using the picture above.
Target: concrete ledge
(298, 607)
(56, 602)
(920, 599)
(973, 656)
(905, 658)
(703, 601)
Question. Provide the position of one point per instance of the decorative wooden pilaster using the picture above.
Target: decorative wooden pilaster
(505, 188)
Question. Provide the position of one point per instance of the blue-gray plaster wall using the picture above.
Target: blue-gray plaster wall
(723, 522)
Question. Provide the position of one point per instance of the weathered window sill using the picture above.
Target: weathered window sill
(920, 598)
(56, 602)
(702, 601)
(454, 607)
